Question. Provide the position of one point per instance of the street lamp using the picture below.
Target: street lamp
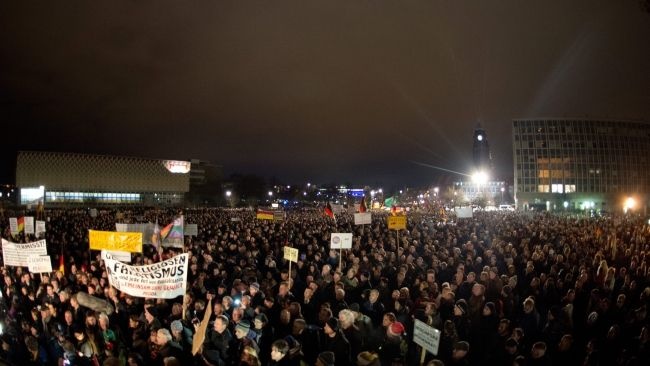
(502, 190)
(228, 194)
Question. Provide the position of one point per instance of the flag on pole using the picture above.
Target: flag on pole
(328, 210)
(62, 263)
(155, 237)
(362, 206)
(172, 234)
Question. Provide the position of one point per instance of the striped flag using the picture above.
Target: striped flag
(21, 223)
(362, 206)
(328, 210)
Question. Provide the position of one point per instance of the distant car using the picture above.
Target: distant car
(506, 208)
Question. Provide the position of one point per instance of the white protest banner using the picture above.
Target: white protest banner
(93, 212)
(162, 280)
(426, 336)
(13, 226)
(14, 254)
(278, 216)
(291, 254)
(191, 230)
(463, 212)
(341, 241)
(118, 255)
(364, 218)
(337, 209)
(40, 227)
(122, 227)
(29, 224)
(39, 264)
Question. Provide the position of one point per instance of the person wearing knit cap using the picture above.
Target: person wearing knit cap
(242, 328)
(461, 305)
(396, 329)
(336, 342)
(461, 319)
(181, 335)
(392, 351)
(326, 358)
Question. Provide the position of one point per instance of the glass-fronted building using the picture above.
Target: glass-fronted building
(575, 164)
(71, 178)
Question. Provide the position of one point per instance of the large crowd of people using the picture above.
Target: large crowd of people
(502, 288)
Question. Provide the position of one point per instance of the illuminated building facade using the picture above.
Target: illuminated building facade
(71, 178)
(574, 164)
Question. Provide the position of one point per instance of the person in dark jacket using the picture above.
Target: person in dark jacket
(336, 342)
(168, 348)
(221, 340)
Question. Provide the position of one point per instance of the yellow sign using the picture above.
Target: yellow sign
(113, 240)
(291, 254)
(396, 222)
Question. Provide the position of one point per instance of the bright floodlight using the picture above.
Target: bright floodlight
(480, 177)
(270, 193)
(228, 193)
(629, 204)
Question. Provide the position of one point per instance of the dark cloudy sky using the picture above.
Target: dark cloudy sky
(316, 91)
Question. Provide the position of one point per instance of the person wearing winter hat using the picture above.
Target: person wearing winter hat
(336, 342)
(326, 358)
(396, 329)
(242, 328)
(461, 306)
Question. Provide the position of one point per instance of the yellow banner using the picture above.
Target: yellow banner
(113, 240)
(396, 222)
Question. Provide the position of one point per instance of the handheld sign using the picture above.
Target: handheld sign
(396, 222)
(364, 218)
(341, 241)
(426, 336)
(39, 264)
(291, 254)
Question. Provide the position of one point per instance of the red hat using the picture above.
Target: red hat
(397, 328)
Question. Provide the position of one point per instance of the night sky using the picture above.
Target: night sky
(318, 91)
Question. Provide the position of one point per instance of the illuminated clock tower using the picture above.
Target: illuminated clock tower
(481, 151)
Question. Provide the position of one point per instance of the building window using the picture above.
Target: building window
(543, 188)
(556, 188)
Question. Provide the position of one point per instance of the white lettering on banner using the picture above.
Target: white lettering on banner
(426, 336)
(39, 264)
(162, 280)
(14, 254)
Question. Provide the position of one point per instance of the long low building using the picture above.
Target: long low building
(73, 178)
(575, 164)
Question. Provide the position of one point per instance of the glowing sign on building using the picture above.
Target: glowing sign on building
(175, 166)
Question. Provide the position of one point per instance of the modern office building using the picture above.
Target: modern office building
(577, 164)
(71, 178)
(206, 181)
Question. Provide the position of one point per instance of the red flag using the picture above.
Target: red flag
(62, 264)
(362, 206)
(328, 210)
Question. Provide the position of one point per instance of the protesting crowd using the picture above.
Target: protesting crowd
(502, 288)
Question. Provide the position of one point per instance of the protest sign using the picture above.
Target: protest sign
(162, 280)
(364, 218)
(341, 241)
(39, 264)
(426, 336)
(396, 222)
(14, 254)
(291, 254)
(40, 227)
(13, 226)
(112, 240)
(118, 255)
(29, 224)
(191, 230)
